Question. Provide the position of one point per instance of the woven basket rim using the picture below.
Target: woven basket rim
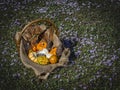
(37, 21)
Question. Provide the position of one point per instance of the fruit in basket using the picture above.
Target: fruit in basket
(53, 51)
(32, 55)
(34, 48)
(44, 52)
(41, 45)
(53, 59)
(42, 60)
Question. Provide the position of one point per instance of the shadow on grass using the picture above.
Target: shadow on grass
(67, 43)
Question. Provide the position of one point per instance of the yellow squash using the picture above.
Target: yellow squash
(42, 60)
(32, 56)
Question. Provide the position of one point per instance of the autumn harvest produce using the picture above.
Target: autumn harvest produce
(39, 54)
(40, 48)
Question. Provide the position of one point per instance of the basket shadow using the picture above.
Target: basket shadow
(67, 43)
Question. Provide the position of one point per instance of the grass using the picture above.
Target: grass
(92, 29)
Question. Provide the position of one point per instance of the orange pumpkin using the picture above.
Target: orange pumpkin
(41, 45)
(53, 51)
(53, 59)
(34, 48)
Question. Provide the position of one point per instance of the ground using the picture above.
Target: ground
(89, 28)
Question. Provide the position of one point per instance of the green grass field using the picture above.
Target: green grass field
(91, 29)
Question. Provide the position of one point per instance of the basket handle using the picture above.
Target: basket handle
(40, 20)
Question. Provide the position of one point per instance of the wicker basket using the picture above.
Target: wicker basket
(50, 33)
